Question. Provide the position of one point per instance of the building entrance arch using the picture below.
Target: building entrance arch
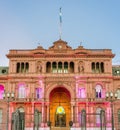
(60, 107)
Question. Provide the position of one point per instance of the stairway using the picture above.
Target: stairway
(60, 128)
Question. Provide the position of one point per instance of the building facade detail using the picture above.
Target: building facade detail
(57, 86)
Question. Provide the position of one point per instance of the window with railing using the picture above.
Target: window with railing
(60, 67)
(97, 67)
(22, 67)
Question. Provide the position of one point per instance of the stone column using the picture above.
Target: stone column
(48, 112)
(43, 115)
(71, 112)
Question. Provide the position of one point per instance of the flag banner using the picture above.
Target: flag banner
(60, 14)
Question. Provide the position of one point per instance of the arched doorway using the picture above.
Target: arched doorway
(60, 107)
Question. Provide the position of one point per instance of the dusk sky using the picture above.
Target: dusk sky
(25, 23)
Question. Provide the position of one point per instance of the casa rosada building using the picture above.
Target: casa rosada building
(60, 87)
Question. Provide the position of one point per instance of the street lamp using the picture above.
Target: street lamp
(8, 96)
(111, 97)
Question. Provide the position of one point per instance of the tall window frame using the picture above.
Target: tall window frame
(1, 91)
(22, 91)
(81, 92)
(98, 91)
(98, 110)
(38, 92)
(1, 115)
(118, 93)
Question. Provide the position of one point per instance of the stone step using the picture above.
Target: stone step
(60, 128)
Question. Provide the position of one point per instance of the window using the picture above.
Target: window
(27, 67)
(71, 67)
(97, 67)
(48, 67)
(98, 116)
(1, 91)
(60, 110)
(118, 92)
(0, 116)
(98, 91)
(93, 67)
(119, 116)
(54, 67)
(65, 67)
(22, 67)
(60, 67)
(83, 118)
(81, 93)
(18, 68)
(38, 93)
(102, 67)
(22, 91)
(37, 118)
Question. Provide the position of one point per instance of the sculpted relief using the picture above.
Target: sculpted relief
(39, 67)
(81, 67)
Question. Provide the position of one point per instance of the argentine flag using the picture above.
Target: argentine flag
(60, 14)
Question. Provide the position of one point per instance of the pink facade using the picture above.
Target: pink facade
(59, 84)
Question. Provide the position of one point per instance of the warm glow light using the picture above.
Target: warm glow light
(60, 110)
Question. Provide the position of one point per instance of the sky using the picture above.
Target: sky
(24, 24)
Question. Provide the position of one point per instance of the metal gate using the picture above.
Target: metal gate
(18, 120)
(88, 120)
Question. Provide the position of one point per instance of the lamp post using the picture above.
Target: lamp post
(8, 96)
(111, 97)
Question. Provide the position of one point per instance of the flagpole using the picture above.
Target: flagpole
(60, 23)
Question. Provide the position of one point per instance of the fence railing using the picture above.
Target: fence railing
(85, 122)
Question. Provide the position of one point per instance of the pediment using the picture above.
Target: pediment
(60, 45)
(81, 50)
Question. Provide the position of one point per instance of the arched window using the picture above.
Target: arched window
(22, 91)
(97, 67)
(60, 110)
(48, 67)
(72, 67)
(65, 67)
(118, 92)
(81, 92)
(38, 93)
(98, 91)
(102, 67)
(22, 67)
(1, 114)
(22, 118)
(37, 118)
(83, 118)
(59, 67)
(27, 67)
(98, 110)
(1, 91)
(93, 67)
(21, 109)
(18, 68)
(54, 67)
